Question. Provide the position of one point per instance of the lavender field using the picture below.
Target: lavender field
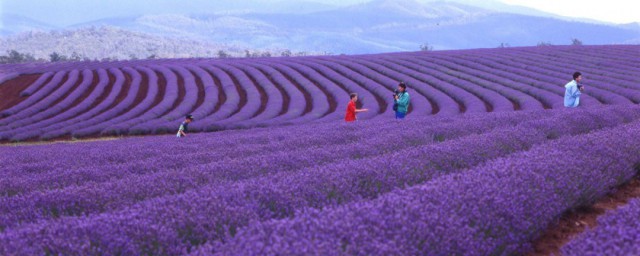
(80, 99)
(486, 161)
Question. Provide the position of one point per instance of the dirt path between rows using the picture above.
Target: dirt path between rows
(577, 221)
(10, 90)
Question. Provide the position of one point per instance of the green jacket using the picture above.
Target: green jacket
(403, 102)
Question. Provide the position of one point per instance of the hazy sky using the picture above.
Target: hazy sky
(616, 11)
(67, 12)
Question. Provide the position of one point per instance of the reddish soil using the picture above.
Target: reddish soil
(68, 139)
(264, 99)
(143, 89)
(307, 96)
(55, 87)
(576, 221)
(222, 96)
(10, 90)
(434, 107)
(333, 104)
(487, 105)
(200, 86)
(73, 88)
(126, 89)
(122, 94)
(286, 100)
(516, 106)
(241, 92)
(162, 88)
(105, 93)
(87, 92)
(181, 93)
(461, 107)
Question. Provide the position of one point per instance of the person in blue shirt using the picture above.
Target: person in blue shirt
(573, 91)
(184, 127)
(401, 101)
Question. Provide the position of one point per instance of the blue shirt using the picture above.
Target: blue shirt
(572, 95)
(403, 102)
(183, 127)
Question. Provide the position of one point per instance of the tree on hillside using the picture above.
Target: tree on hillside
(76, 57)
(265, 54)
(55, 57)
(576, 42)
(286, 53)
(426, 47)
(14, 56)
(222, 54)
(544, 44)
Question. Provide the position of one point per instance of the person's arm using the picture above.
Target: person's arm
(181, 131)
(361, 110)
(574, 91)
(403, 100)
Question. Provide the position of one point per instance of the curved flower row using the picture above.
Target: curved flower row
(81, 99)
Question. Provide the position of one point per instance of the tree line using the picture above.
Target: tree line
(14, 57)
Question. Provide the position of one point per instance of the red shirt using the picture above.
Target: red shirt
(351, 112)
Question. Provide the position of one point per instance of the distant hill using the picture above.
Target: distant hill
(372, 27)
(13, 24)
(110, 42)
(380, 26)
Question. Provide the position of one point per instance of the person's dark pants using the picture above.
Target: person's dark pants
(400, 115)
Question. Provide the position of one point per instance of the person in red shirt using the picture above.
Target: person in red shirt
(351, 108)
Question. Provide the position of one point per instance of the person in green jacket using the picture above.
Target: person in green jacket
(401, 101)
(182, 131)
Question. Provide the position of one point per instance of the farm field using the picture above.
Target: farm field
(487, 160)
(85, 99)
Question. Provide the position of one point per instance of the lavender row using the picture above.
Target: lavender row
(468, 101)
(496, 208)
(124, 184)
(187, 221)
(111, 115)
(528, 98)
(297, 101)
(495, 98)
(23, 127)
(445, 83)
(230, 106)
(446, 104)
(617, 233)
(608, 67)
(164, 106)
(35, 86)
(272, 104)
(34, 98)
(612, 93)
(384, 76)
(69, 116)
(379, 89)
(344, 82)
